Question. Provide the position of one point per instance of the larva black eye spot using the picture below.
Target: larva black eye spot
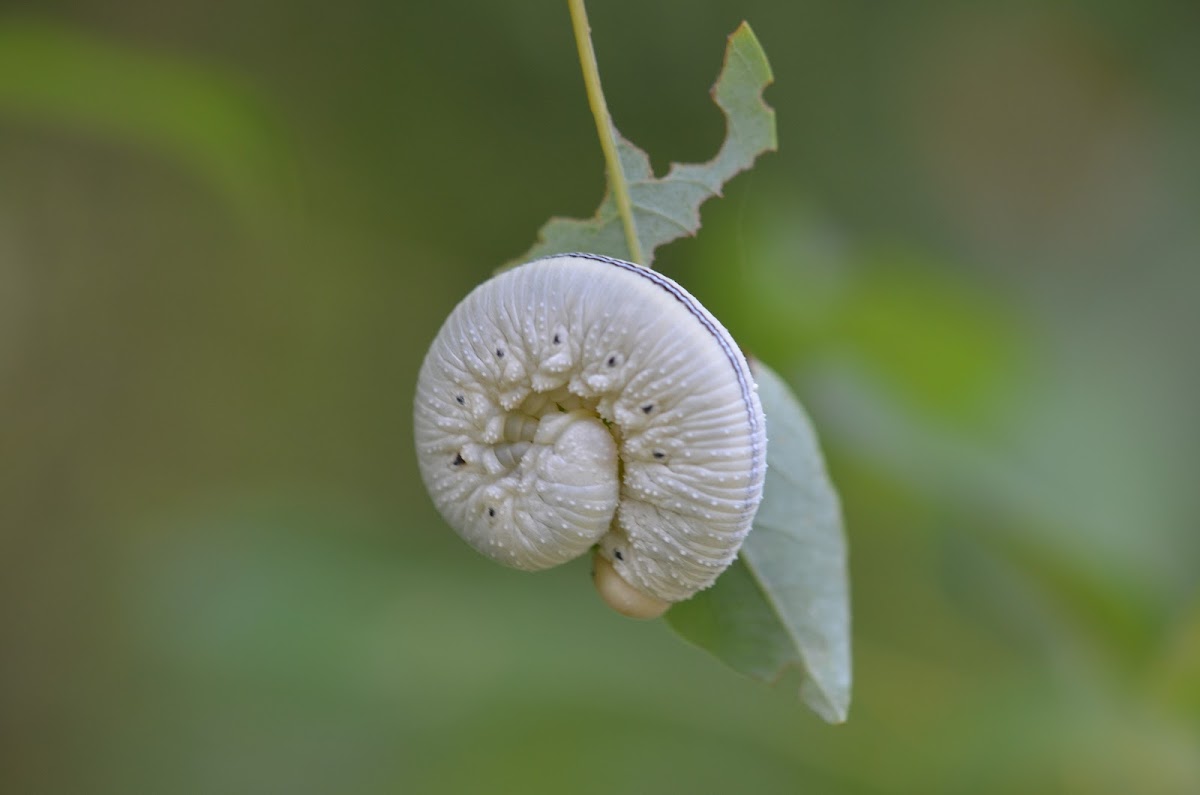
(491, 511)
(617, 554)
(459, 460)
(659, 454)
(649, 407)
(460, 400)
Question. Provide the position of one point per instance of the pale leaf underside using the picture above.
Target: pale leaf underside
(785, 602)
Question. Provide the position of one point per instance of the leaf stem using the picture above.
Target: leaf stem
(604, 127)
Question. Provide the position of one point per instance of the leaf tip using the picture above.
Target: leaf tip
(743, 30)
(832, 710)
(744, 38)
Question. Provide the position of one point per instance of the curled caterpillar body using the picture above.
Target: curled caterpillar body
(579, 401)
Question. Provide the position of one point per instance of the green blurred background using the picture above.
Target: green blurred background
(228, 231)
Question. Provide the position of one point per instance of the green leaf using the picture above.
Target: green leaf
(196, 115)
(667, 208)
(785, 603)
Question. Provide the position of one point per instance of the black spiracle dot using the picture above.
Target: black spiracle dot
(557, 339)
(649, 407)
(612, 361)
(459, 460)
(499, 353)
(659, 454)
(460, 400)
(491, 511)
(617, 554)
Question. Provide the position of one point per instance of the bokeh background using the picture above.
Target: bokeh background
(229, 230)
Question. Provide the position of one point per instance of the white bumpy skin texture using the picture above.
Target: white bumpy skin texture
(579, 401)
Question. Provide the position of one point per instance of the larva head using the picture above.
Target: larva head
(618, 594)
(578, 401)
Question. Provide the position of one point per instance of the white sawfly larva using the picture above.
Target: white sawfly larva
(580, 401)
